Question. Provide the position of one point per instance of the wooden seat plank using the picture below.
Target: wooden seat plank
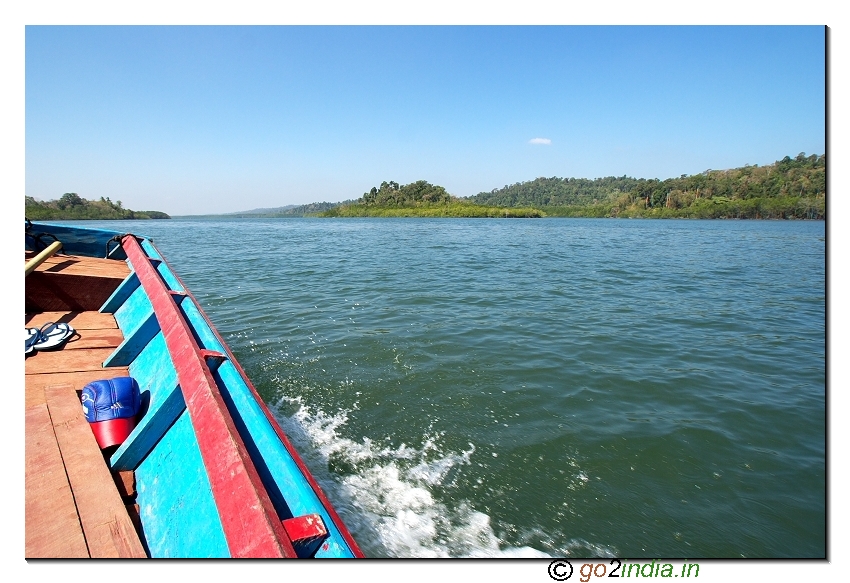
(72, 283)
(95, 339)
(83, 359)
(78, 320)
(109, 338)
(95, 331)
(52, 292)
(53, 528)
(79, 265)
(108, 528)
(36, 383)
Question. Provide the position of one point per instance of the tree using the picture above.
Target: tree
(69, 200)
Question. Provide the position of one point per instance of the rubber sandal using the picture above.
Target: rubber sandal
(53, 336)
(32, 335)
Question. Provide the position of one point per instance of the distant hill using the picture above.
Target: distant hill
(263, 211)
(788, 188)
(303, 210)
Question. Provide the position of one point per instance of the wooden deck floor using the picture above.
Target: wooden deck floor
(75, 507)
(71, 283)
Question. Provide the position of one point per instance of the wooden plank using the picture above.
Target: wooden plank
(61, 291)
(110, 338)
(74, 283)
(79, 265)
(136, 340)
(94, 330)
(121, 294)
(83, 359)
(95, 339)
(125, 481)
(41, 257)
(307, 533)
(108, 529)
(78, 320)
(53, 528)
(160, 416)
(36, 383)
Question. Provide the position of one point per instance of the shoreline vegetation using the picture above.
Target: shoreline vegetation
(454, 209)
(422, 199)
(71, 206)
(791, 188)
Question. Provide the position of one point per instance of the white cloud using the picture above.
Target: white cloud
(544, 141)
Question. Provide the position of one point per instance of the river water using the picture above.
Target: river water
(535, 387)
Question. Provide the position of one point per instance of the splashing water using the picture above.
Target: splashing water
(386, 498)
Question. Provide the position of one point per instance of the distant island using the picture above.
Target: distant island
(71, 206)
(421, 199)
(791, 188)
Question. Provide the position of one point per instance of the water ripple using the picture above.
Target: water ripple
(537, 387)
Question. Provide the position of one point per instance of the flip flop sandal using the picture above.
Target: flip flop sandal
(32, 335)
(53, 336)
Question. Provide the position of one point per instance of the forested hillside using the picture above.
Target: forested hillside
(789, 188)
(72, 206)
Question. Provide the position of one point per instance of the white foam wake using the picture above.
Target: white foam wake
(384, 495)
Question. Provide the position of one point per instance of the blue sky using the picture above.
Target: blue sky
(215, 119)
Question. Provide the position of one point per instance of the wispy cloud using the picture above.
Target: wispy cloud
(544, 141)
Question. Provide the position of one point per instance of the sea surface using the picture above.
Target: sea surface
(535, 387)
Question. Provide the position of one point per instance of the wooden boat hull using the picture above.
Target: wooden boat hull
(214, 474)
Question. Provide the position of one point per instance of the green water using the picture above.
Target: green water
(536, 387)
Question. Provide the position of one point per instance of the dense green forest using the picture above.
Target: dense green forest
(791, 188)
(419, 192)
(72, 206)
(421, 199)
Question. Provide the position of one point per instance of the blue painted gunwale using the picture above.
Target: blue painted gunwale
(177, 507)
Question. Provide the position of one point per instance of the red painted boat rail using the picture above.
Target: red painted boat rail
(251, 524)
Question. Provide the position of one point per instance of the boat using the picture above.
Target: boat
(206, 470)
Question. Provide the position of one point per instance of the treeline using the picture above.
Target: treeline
(457, 209)
(305, 210)
(421, 199)
(791, 188)
(390, 194)
(72, 206)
